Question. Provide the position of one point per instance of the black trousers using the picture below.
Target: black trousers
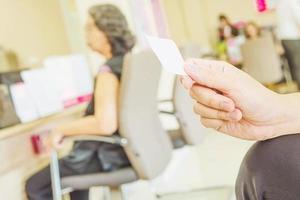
(292, 53)
(38, 187)
(271, 170)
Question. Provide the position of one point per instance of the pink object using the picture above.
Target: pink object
(261, 5)
(85, 98)
(37, 145)
(81, 99)
(70, 102)
(37, 142)
(105, 68)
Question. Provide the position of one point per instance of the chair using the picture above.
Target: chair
(192, 130)
(145, 141)
(261, 60)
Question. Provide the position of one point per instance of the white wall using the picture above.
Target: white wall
(186, 20)
(197, 20)
(236, 10)
(33, 29)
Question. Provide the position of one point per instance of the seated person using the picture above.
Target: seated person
(253, 31)
(226, 29)
(229, 42)
(107, 33)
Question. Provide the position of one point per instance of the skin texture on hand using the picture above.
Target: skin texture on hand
(232, 102)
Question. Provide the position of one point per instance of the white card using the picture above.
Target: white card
(168, 54)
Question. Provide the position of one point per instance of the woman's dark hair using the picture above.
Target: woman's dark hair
(251, 23)
(225, 18)
(109, 19)
(234, 30)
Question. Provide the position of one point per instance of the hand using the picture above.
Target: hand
(54, 140)
(230, 101)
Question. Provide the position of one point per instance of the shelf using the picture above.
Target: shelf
(21, 128)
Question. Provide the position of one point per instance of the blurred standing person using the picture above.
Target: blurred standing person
(254, 31)
(229, 41)
(226, 29)
(288, 14)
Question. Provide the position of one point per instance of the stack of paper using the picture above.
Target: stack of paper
(70, 78)
(43, 93)
(23, 103)
(61, 76)
(82, 76)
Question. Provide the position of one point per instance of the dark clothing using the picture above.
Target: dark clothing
(271, 170)
(38, 187)
(111, 156)
(292, 53)
(85, 158)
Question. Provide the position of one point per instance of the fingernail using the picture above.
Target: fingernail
(233, 116)
(236, 115)
(226, 106)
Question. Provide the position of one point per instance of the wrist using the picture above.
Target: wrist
(289, 114)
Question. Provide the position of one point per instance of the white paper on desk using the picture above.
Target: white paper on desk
(42, 91)
(168, 54)
(60, 73)
(81, 74)
(70, 75)
(23, 103)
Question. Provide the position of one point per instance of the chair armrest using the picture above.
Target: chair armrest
(167, 112)
(166, 107)
(111, 140)
(165, 100)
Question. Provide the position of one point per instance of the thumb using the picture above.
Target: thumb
(213, 74)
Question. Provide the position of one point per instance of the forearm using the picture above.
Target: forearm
(291, 111)
(85, 126)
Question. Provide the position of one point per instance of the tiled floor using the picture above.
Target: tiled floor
(219, 157)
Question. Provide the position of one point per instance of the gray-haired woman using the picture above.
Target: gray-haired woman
(107, 33)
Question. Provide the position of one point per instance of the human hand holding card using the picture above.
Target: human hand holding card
(168, 54)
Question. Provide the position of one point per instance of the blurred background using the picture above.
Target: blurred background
(47, 72)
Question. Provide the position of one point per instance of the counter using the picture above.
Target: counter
(17, 160)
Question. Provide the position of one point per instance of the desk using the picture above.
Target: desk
(17, 160)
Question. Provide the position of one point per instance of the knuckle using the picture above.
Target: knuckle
(220, 114)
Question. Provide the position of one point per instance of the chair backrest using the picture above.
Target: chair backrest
(261, 60)
(193, 131)
(149, 148)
